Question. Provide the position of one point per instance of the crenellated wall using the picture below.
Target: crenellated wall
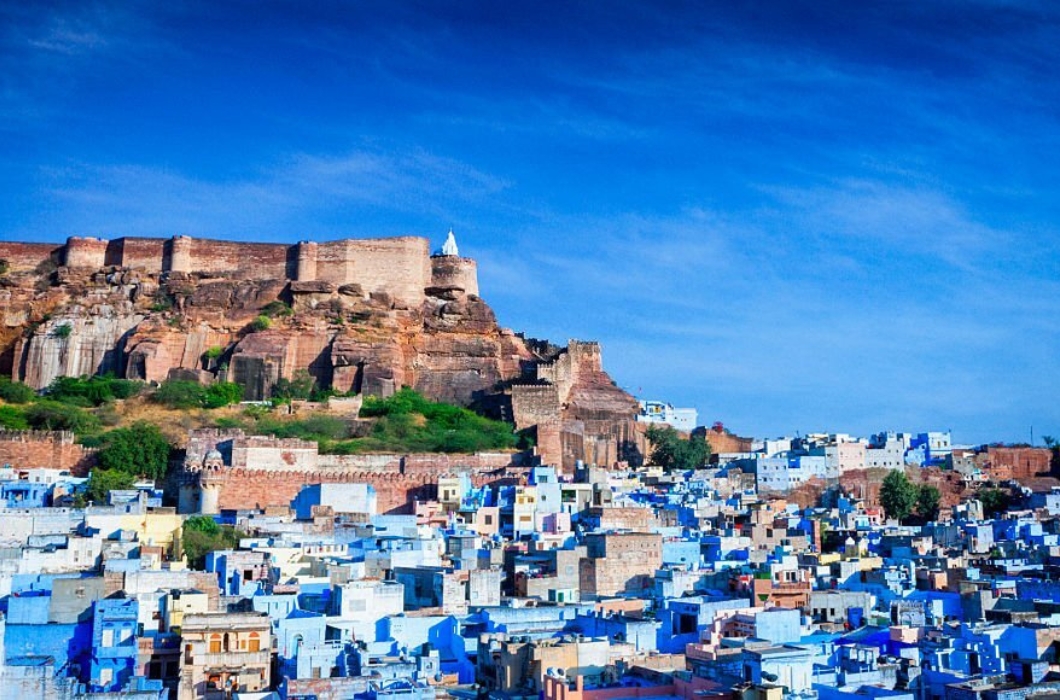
(400, 267)
(28, 449)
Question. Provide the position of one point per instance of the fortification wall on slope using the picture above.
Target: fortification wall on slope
(29, 449)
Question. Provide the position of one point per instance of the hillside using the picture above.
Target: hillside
(359, 316)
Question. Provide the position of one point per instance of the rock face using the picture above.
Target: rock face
(359, 316)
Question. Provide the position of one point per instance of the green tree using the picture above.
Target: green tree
(670, 451)
(52, 415)
(140, 449)
(13, 418)
(181, 394)
(1054, 455)
(101, 483)
(261, 323)
(299, 387)
(87, 391)
(222, 394)
(202, 535)
(995, 502)
(16, 392)
(928, 499)
(898, 495)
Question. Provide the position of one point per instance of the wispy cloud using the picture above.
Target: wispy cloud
(349, 192)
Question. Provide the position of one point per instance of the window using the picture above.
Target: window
(106, 676)
(255, 643)
(108, 638)
(215, 644)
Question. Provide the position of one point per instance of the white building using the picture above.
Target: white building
(683, 419)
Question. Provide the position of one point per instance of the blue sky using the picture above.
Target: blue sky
(792, 216)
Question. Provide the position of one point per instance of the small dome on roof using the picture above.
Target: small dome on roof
(213, 454)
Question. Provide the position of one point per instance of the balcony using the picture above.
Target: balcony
(232, 660)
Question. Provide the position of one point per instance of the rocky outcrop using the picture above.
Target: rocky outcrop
(152, 324)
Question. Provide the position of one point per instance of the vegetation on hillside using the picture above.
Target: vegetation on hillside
(404, 422)
(88, 406)
(183, 394)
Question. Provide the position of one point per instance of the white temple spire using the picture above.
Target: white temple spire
(449, 247)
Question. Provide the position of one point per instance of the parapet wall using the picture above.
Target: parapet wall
(26, 257)
(396, 266)
(29, 449)
(401, 267)
(451, 271)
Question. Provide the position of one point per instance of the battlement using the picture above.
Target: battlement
(401, 267)
(54, 437)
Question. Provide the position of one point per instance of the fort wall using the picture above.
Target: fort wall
(28, 449)
(85, 252)
(396, 266)
(26, 257)
(451, 271)
(242, 260)
(401, 267)
(136, 253)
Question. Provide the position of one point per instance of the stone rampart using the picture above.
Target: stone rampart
(136, 253)
(400, 267)
(27, 449)
(452, 271)
(243, 260)
(396, 266)
(26, 257)
(534, 403)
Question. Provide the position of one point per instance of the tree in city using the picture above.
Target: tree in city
(995, 502)
(202, 535)
(928, 499)
(101, 483)
(141, 449)
(898, 495)
(670, 451)
(1054, 454)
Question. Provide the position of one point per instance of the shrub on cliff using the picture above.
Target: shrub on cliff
(261, 323)
(141, 449)
(180, 394)
(300, 387)
(16, 392)
(92, 391)
(12, 418)
(222, 394)
(184, 395)
(53, 415)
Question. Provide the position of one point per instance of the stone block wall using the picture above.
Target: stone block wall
(43, 448)
(534, 403)
(136, 253)
(25, 257)
(451, 271)
(243, 260)
(396, 266)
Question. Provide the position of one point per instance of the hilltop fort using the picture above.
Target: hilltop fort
(364, 316)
